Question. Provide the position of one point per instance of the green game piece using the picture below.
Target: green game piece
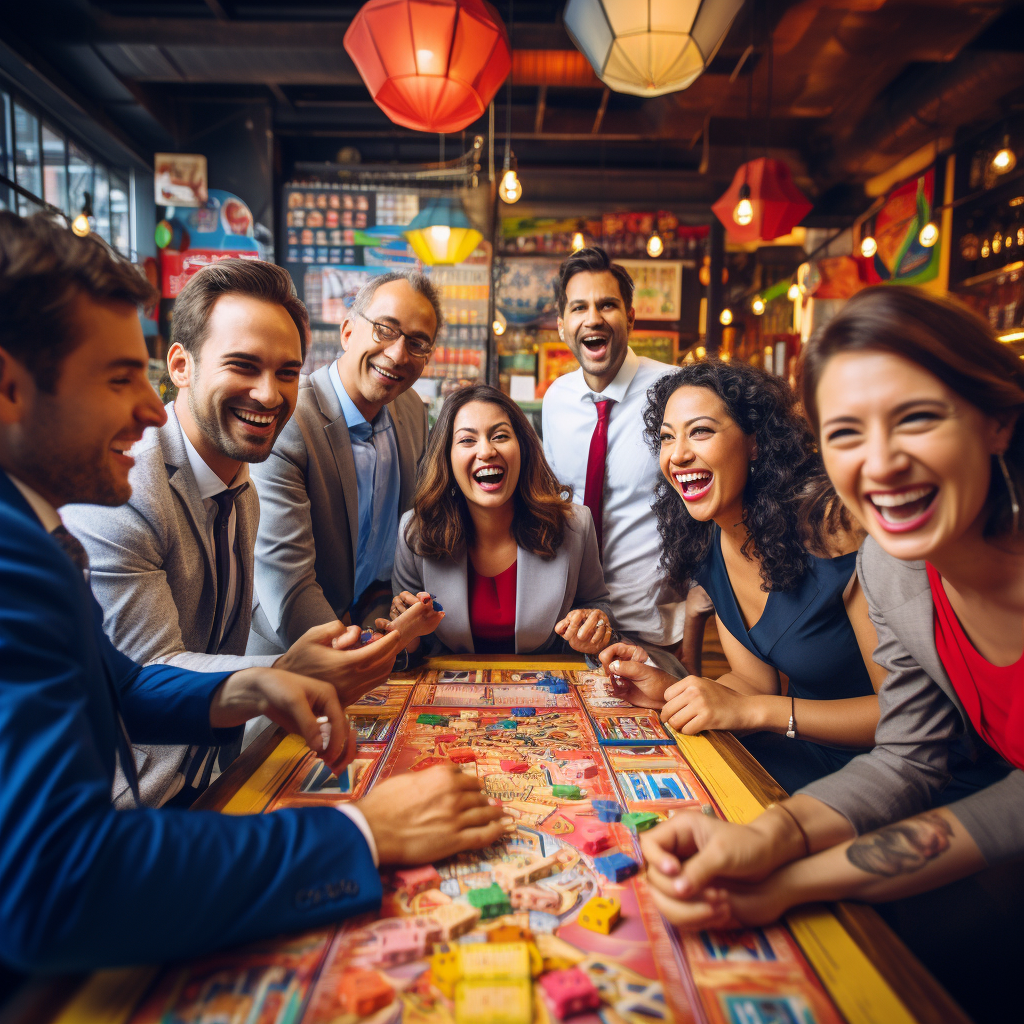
(507, 723)
(491, 901)
(567, 792)
(432, 720)
(640, 821)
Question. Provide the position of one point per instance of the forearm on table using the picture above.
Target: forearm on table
(747, 686)
(896, 861)
(849, 722)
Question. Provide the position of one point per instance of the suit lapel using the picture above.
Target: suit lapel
(449, 578)
(336, 431)
(183, 483)
(406, 455)
(540, 591)
(247, 518)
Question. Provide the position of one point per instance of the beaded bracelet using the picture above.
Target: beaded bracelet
(799, 827)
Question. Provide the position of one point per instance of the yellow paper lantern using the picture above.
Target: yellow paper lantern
(442, 233)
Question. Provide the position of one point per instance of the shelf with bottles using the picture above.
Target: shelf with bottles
(999, 298)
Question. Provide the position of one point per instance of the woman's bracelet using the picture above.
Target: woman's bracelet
(792, 817)
(791, 730)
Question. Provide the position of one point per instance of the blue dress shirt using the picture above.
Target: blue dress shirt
(375, 453)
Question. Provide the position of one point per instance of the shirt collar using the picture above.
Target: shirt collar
(44, 511)
(620, 385)
(207, 481)
(356, 422)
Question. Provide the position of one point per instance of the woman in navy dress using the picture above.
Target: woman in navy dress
(735, 518)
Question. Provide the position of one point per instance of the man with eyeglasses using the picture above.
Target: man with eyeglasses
(344, 468)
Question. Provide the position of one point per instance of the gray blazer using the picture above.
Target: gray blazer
(921, 718)
(309, 499)
(545, 590)
(153, 571)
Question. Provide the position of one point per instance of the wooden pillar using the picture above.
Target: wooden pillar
(716, 290)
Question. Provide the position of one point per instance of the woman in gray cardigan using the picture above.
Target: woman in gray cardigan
(917, 408)
(493, 539)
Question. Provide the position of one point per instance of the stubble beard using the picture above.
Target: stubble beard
(212, 423)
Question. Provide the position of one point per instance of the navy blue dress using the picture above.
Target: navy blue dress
(805, 633)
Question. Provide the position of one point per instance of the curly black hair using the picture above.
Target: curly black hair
(777, 483)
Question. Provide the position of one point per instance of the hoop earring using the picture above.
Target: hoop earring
(1014, 504)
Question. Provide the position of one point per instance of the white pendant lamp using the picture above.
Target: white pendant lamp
(649, 47)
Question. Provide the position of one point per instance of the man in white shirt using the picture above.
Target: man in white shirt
(593, 436)
(173, 567)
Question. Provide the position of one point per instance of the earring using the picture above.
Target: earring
(1014, 505)
(453, 491)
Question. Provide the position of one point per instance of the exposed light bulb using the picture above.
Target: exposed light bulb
(757, 306)
(1004, 159)
(868, 247)
(794, 292)
(440, 233)
(500, 323)
(655, 246)
(725, 317)
(744, 213)
(700, 351)
(80, 225)
(578, 241)
(929, 235)
(511, 187)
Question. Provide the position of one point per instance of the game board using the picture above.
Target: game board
(534, 927)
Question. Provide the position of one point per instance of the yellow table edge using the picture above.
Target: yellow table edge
(861, 993)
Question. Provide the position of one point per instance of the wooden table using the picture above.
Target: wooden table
(867, 972)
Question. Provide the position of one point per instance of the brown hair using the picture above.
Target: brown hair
(593, 260)
(943, 337)
(441, 524)
(257, 280)
(44, 268)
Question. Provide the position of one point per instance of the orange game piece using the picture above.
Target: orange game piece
(461, 755)
(364, 992)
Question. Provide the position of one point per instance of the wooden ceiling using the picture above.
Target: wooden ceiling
(856, 85)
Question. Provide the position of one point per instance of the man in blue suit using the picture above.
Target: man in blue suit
(84, 886)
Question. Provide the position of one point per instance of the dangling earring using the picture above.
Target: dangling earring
(453, 492)
(1014, 505)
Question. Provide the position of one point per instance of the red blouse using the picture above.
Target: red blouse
(492, 611)
(992, 695)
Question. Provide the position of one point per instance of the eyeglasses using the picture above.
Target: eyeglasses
(385, 334)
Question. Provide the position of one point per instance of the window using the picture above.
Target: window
(26, 155)
(120, 214)
(6, 163)
(55, 169)
(101, 202)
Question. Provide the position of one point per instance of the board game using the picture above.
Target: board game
(552, 923)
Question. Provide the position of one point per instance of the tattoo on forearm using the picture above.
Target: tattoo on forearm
(902, 848)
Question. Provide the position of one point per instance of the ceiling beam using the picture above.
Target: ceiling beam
(538, 117)
(599, 116)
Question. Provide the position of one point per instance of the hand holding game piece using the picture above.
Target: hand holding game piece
(429, 815)
(694, 704)
(295, 702)
(331, 652)
(632, 679)
(403, 606)
(586, 630)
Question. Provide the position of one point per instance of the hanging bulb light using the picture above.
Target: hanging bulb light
(744, 212)
(868, 247)
(1004, 159)
(725, 317)
(928, 235)
(794, 292)
(757, 306)
(655, 246)
(511, 188)
(500, 324)
(82, 224)
(578, 241)
(442, 233)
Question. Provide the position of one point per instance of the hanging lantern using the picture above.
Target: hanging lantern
(432, 65)
(648, 47)
(441, 232)
(777, 204)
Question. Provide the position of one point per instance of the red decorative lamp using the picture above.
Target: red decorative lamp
(432, 65)
(776, 205)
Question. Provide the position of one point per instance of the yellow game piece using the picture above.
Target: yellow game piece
(536, 960)
(493, 960)
(480, 1001)
(446, 968)
(600, 914)
(455, 919)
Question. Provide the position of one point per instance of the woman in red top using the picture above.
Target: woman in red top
(494, 539)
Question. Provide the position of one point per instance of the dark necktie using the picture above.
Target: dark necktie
(72, 547)
(222, 558)
(593, 492)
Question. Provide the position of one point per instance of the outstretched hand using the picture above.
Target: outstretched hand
(412, 616)
(586, 630)
(631, 679)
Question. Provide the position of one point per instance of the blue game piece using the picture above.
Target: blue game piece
(557, 686)
(607, 810)
(450, 887)
(523, 712)
(616, 866)
(542, 921)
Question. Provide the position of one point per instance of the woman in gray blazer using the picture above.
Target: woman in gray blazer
(917, 408)
(494, 540)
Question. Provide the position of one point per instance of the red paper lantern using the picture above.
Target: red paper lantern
(778, 204)
(432, 65)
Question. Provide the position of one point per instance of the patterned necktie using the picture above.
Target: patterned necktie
(73, 548)
(593, 492)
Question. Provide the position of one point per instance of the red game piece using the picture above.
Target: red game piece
(428, 762)
(446, 737)
(514, 767)
(592, 836)
(570, 992)
(565, 754)
(364, 992)
(460, 755)
(414, 880)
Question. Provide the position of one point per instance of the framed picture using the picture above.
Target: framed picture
(659, 286)
(662, 346)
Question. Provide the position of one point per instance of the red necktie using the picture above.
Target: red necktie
(593, 492)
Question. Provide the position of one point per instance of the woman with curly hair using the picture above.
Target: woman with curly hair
(738, 464)
(493, 539)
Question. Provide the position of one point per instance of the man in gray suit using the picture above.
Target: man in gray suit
(173, 567)
(344, 469)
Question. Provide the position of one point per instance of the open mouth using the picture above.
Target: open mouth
(595, 344)
(259, 422)
(694, 484)
(387, 375)
(898, 511)
(120, 451)
(489, 478)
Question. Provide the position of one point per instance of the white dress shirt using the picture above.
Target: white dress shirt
(632, 545)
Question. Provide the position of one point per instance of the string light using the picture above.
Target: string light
(1004, 159)
(794, 292)
(868, 247)
(500, 323)
(929, 235)
(578, 241)
(725, 317)
(757, 306)
(511, 187)
(744, 212)
(655, 246)
(700, 351)
(82, 224)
